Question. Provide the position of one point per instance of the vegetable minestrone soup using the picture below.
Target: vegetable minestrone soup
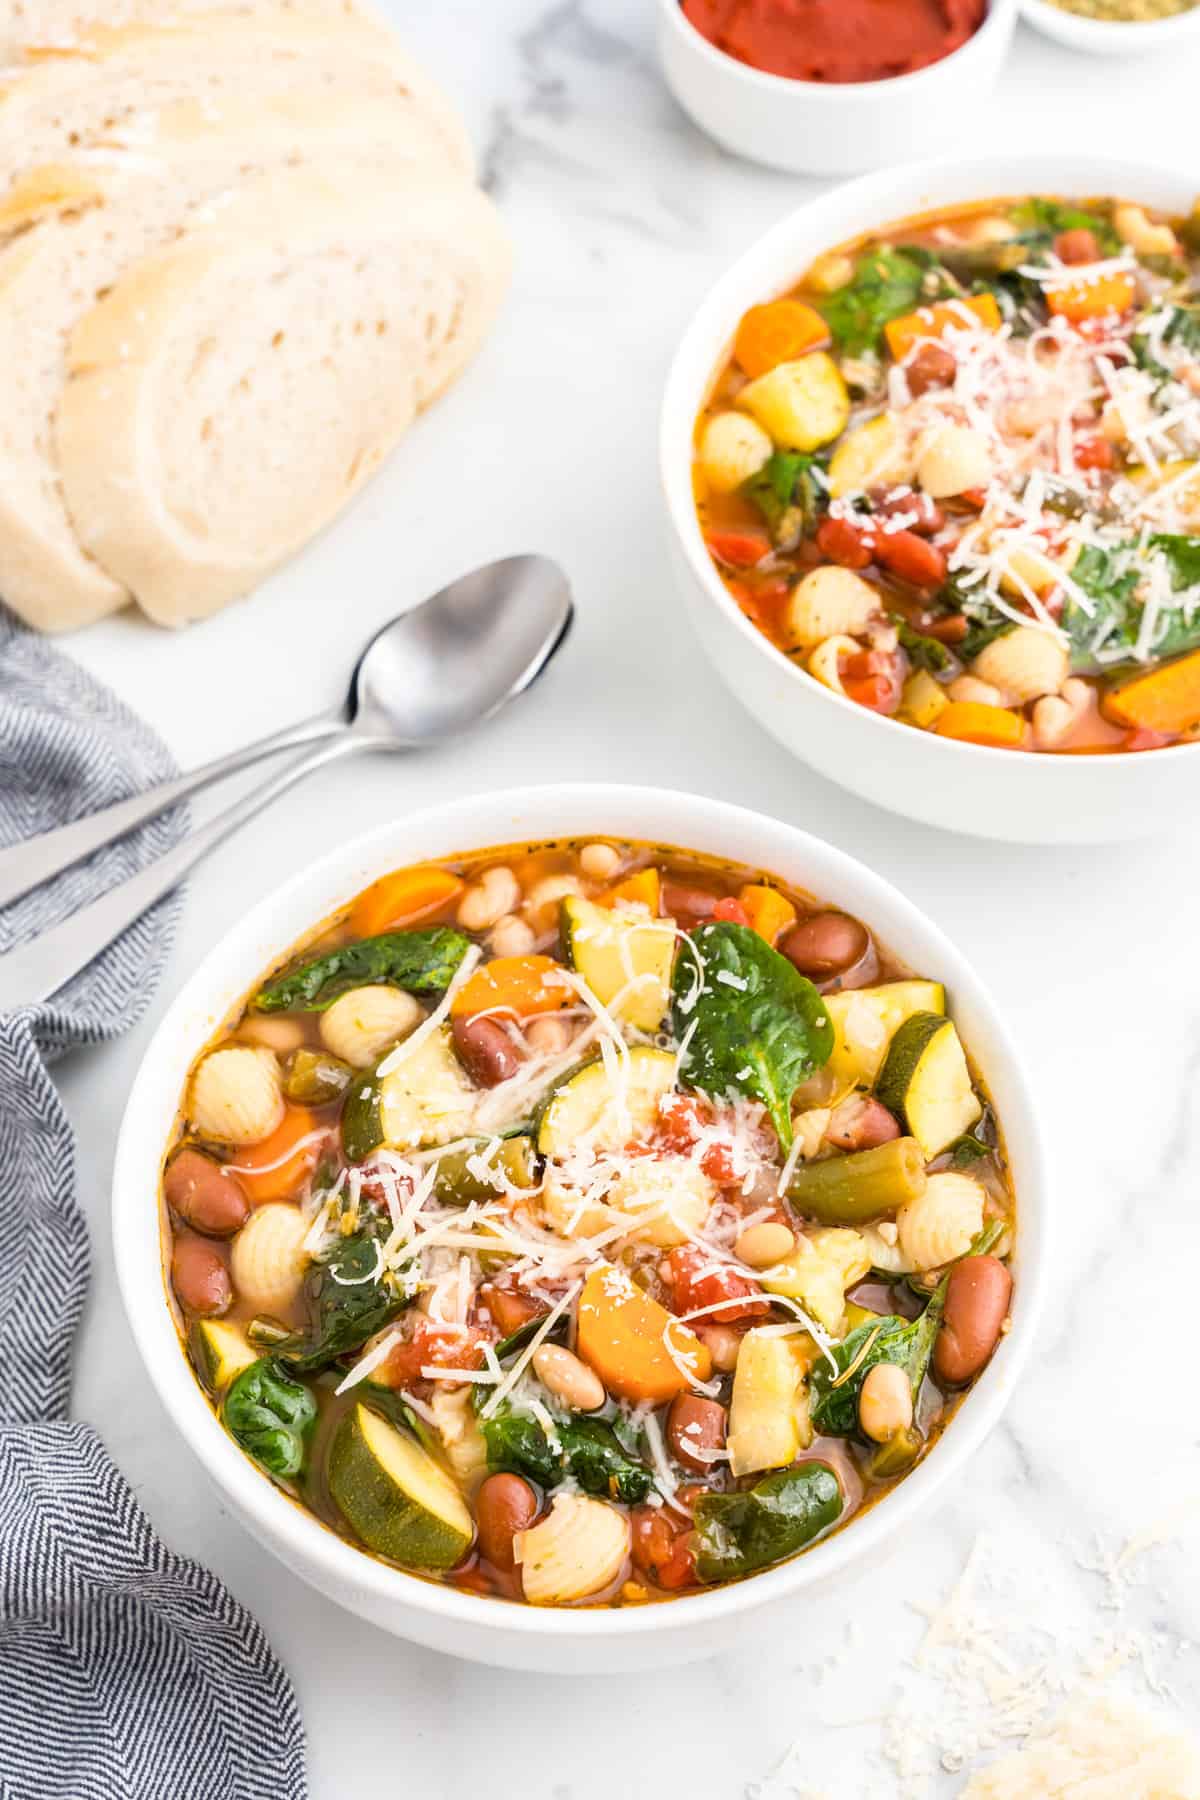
(588, 1223)
(955, 475)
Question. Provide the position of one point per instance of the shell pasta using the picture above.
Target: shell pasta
(598, 1261)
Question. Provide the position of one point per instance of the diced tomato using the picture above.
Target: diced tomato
(741, 549)
(762, 605)
(873, 679)
(661, 1549)
(1141, 739)
(731, 911)
(509, 1307)
(852, 546)
(431, 1345)
(684, 1120)
(1094, 452)
(696, 1279)
(913, 558)
(1078, 245)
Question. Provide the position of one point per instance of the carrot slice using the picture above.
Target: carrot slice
(778, 332)
(622, 1333)
(972, 723)
(274, 1169)
(642, 889)
(394, 899)
(1163, 700)
(769, 913)
(524, 985)
(740, 549)
(1079, 300)
(947, 315)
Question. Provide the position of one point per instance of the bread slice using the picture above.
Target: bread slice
(73, 108)
(51, 276)
(231, 393)
(37, 28)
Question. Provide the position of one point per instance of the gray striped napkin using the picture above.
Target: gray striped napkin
(126, 1672)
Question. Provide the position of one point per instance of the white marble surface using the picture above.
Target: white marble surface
(622, 215)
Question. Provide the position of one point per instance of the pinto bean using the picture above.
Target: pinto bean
(204, 1195)
(924, 514)
(933, 366)
(200, 1277)
(1077, 246)
(504, 1505)
(687, 904)
(860, 1123)
(485, 1050)
(846, 544)
(825, 943)
(695, 1426)
(977, 1297)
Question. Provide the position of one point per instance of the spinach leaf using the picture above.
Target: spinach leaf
(587, 1450)
(271, 1416)
(923, 652)
(754, 1024)
(885, 284)
(738, 1533)
(349, 1298)
(1111, 576)
(886, 1339)
(423, 962)
(1182, 327)
(785, 492)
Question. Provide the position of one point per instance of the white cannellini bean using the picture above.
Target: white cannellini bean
(600, 862)
(578, 1549)
(733, 447)
(568, 1378)
(1025, 663)
(970, 688)
(940, 1224)
(548, 1035)
(511, 936)
(828, 602)
(762, 1246)
(268, 1258)
(1134, 227)
(541, 902)
(237, 1095)
(487, 900)
(722, 1342)
(885, 1402)
(951, 459)
(1053, 718)
(279, 1035)
(362, 1024)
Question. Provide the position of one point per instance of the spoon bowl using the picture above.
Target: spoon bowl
(455, 659)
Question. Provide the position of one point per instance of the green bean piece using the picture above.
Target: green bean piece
(314, 1078)
(854, 1189)
(362, 1124)
(458, 1183)
(896, 1457)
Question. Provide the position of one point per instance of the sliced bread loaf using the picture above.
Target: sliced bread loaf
(231, 392)
(123, 209)
(34, 28)
(69, 108)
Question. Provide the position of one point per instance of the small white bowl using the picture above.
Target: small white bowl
(496, 1631)
(831, 128)
(1110, 37)
(1012, 794)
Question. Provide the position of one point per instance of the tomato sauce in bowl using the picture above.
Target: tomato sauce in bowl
(836, 41)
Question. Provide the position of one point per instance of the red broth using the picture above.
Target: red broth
(545, 1213)
(954, 474)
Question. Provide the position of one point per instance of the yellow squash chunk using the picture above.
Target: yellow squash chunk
(819, 1271)
(768, 1419)
(800, 405)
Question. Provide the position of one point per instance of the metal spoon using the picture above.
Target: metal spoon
(430, 674)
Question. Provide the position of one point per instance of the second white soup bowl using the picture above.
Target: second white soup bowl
(436, 1615)
(1020, 795)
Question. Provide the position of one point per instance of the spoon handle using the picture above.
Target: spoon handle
(38, 969)
(36, 859)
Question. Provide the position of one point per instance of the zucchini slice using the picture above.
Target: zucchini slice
(402, 1504)
(926, 1083)
(458, 1183)
(606, 1109)
(768, 1415)
(866, 1019)
(613, 948)
(220, 1351)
